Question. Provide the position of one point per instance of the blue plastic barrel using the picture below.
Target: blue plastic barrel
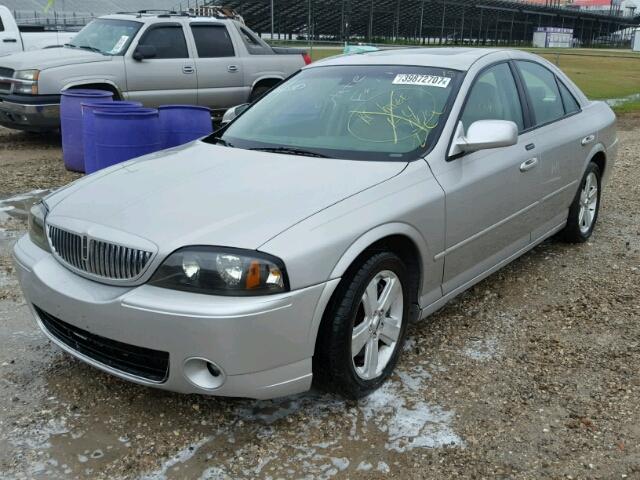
(71, 123)
(88, 130)
(124, 134)
(181, 124)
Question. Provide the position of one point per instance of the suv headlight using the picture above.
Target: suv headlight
(37, 230)
(29, 75)
(28, 82)
(222, 271)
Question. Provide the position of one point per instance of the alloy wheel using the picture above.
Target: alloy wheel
(377, 326)
(588, 203)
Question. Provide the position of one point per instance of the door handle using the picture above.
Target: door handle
(232, 68)
(529, 146)
(588, 139)
(9, 40)
(528, 164)
(187, 69)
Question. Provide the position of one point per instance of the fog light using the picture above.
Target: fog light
(203, 373)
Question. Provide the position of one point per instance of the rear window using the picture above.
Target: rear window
(212, 41)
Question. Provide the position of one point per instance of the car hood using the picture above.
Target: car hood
(51, 57)
(213, 195)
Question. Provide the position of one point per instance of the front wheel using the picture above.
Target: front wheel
(583, 212)
(363, 331)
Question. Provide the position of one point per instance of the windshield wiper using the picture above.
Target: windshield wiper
(88, 47)
(290, 151)
(222, 142)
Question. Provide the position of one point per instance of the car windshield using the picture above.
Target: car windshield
(107, 36)
(372, 112)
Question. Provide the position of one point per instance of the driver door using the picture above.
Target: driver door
(168, 78)
(490, 197)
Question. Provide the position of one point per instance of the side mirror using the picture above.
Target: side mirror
(144, 51)
(484, 134)
(233, 112)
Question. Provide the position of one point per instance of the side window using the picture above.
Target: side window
(570, 103)
(494, 96)
(254, 44)
(543, 92)
(168, 40)
(1, 26)
(212, 41)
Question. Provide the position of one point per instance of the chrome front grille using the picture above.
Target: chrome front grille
(5, 85)
(97, 257)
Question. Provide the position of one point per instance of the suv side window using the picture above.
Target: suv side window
(494, 96)
(169, 41)
(254, 44)
(542, 88)
(570, 103)
(212, 41)
(1, 26)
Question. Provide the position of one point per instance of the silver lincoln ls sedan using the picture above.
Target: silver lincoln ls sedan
(296, 243)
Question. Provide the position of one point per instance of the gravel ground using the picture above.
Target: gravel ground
(534, 373)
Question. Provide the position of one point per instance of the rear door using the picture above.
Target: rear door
(220, 70)
(557, 133)
(491, 195)
(170, 77)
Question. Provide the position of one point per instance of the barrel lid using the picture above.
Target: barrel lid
(186, 107)
(129, 112)
(86, 92)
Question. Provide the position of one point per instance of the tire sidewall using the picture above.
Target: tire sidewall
(394, 264)
(575, 210)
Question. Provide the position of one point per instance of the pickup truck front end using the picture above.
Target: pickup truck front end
(21, 107)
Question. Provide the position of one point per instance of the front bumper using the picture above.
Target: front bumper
(37, 113)
(261, 345)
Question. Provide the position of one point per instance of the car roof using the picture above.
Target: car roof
(455, 58)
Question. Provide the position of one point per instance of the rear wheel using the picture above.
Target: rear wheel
(257, 92)
(363, 331)
(583, 212)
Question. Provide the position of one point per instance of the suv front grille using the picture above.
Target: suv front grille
(5, 87)
(138, 361)
(96, 257)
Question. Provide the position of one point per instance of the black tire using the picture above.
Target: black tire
(333, 366)
(257, 92)
(572, 233)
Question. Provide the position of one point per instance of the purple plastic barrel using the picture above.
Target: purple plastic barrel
(181, 124)
(71, 123)
(88, 130)
(124, 134)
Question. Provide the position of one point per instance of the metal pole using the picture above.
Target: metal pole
(272, 20)
(421, 17)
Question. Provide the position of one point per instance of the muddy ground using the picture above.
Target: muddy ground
(534, 373)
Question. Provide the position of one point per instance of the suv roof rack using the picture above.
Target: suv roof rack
(212, 11)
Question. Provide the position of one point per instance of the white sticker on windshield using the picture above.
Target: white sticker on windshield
(118, 46)
(425, 80)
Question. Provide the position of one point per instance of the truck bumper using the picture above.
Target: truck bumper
(38, 113)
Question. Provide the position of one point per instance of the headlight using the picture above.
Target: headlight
(37, 230)
(29, 75)
(28, 82)
(222, 271)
